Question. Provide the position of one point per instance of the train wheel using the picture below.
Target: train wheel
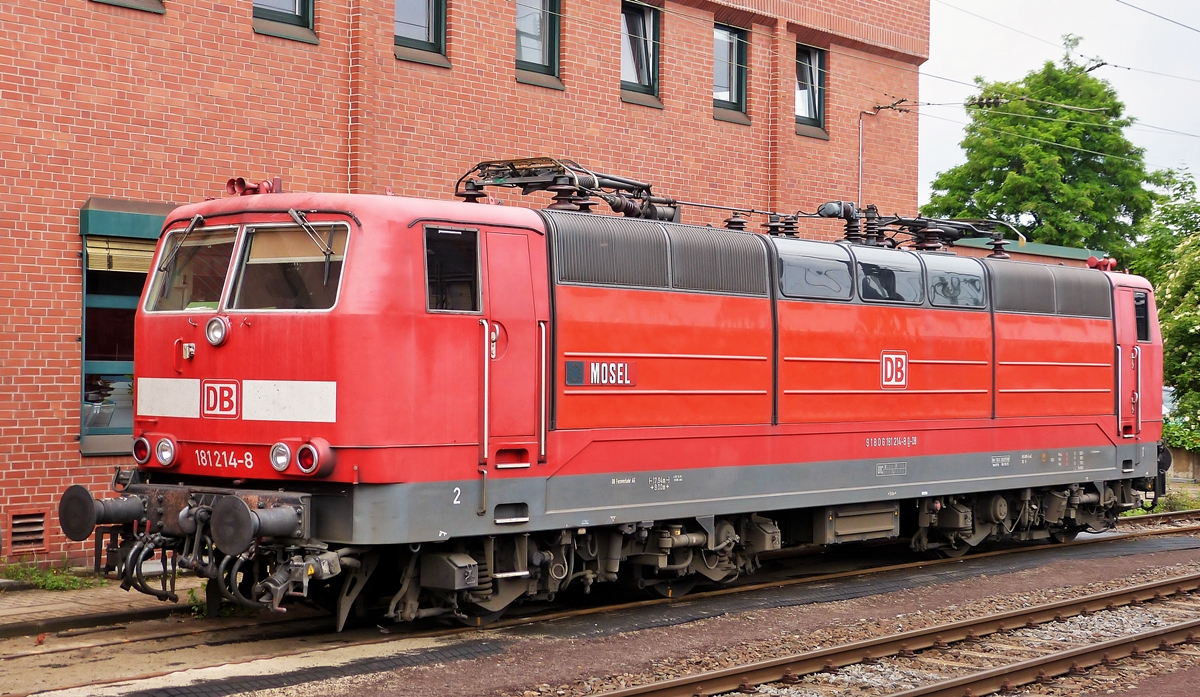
(675, 588)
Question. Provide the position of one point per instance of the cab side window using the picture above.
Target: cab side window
(452, 270)
(1141, 315)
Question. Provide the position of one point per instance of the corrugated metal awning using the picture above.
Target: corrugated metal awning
(127, 254)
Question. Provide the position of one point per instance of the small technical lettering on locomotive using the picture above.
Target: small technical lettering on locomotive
(613, 374)
(891, 469)
(891, 441)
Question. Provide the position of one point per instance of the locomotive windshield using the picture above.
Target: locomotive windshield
(285, 268)
(194, 271)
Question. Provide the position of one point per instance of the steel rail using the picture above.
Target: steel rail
(788, 668)
(1072, 661)
(1189, 514)
(582, 612)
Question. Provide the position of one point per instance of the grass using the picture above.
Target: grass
(52, 579)
(1177, 499)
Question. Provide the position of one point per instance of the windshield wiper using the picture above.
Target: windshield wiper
(197, 221)
(325, 247)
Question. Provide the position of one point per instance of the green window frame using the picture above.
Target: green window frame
(272, 11)
(433, 23)
(538, 22)
(640, 29)
(119, 238)
(810, 86)
(729, 67)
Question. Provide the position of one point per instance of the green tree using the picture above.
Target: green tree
(1048, 155)
(1175, 217)
(1168, 253)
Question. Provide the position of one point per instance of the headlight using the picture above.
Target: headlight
(217, 330)
(281, 456)
(141, 451)
(164, 452)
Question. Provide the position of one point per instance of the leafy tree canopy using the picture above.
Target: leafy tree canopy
(1047, 154)
(1168, 253)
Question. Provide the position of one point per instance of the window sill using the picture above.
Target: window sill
(803, 129)
(730, 116)
(120, 444)
(280, 30)
(154, 6)
(416, 55)
(529, 77)
(631, 97)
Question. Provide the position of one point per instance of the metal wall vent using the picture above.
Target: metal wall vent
(28, 532)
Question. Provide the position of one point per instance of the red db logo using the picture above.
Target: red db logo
(220, 399)
(893, 369)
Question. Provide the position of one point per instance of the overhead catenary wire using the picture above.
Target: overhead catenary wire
(1041, 140)
(1155, 14)
(1109, 126)
(1060, 46)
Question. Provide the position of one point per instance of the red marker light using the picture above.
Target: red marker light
(141, 450)
(306, 458)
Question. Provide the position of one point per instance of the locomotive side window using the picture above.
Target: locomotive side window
(290, 268)
(955, 281)
(452, 270)
(814, 270)
(192, 270)
(889, 276)
(1141, 315)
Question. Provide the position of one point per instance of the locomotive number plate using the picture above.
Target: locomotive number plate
(224, 459)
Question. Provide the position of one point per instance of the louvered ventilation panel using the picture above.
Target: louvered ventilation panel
(28, 532)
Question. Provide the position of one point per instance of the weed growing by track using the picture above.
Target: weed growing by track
(1175, 500)
(51, 579)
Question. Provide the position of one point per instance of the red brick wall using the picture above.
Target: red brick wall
(97, 100)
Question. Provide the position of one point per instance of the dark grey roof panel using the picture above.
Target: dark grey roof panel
(1019, 287)
(718, 261)
(608, 250)
(1082, 292)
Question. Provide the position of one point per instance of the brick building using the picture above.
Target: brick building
(112, 110)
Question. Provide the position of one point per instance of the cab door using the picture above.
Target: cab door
(513, 341)
(1132, 323)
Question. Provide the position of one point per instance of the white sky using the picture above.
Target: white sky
(963, 46)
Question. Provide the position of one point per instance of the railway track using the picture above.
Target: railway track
(789, 669)
(282, 628)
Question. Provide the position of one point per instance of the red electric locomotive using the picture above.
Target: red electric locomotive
(457, 405)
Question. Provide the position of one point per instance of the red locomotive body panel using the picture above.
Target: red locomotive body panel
(833, 363)
(1053, 366)
(700, 360)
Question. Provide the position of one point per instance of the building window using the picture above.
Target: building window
(729, 68)
(297, 12)
(537, 36)
(810, 86)
(119, 239)
(421, 24)
(639, 48)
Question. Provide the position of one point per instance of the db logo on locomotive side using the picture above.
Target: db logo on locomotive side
(219, 399)
(893, 369)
